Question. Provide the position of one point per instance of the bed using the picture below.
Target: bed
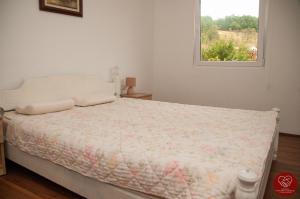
(135, 149)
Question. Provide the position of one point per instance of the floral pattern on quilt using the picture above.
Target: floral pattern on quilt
(164, 149)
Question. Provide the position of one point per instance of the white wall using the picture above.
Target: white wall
(120, 32)
(276, 85)
(112, 32)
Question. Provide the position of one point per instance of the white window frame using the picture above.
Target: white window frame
(261, 40)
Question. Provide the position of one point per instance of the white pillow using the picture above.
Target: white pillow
(45, 107)
(93, 99)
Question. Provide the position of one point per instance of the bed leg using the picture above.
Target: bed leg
(2, 157)
(246, 187)
(276, 133)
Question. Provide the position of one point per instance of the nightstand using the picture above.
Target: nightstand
(2, 157)
(143, 96)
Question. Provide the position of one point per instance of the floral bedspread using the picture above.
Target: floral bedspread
(164, 149)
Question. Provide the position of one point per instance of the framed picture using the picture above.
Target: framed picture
(68, 7)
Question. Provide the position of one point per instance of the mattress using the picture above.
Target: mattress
(163, 149)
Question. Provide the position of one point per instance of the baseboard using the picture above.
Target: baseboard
(289, 134)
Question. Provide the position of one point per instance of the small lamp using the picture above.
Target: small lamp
(130, 83)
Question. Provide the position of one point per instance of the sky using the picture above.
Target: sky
(221, 8)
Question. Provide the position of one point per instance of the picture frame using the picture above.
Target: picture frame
(68, 7)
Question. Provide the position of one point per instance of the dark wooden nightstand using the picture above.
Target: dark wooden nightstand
(143, 96)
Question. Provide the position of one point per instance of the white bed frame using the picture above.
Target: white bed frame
(249, 186)
(82, 185)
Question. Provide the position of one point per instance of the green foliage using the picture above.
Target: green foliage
(209, 31)
(237, 23)
(215, 48)
(223, 50)
(242, 54)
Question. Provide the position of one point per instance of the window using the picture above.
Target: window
(230, 32)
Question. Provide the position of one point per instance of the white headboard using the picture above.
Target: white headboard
(54, 88)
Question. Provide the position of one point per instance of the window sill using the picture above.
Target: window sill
(231, 63)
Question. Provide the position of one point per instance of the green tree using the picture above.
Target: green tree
(209, 31)
(237, 22)
(223, 50)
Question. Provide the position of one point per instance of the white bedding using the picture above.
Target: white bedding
(168, 150)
